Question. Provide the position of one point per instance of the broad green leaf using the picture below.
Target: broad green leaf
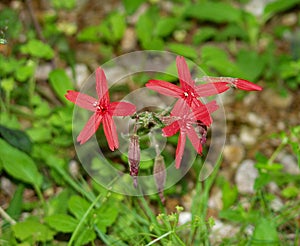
(251, 64)
(19, 165)
(218, 12)
(33, 230)
(118, 26)
(37, 48)
(59, 203)
(290, 192)
(153, 44)
(7, 84)
(16, 138)
(60, 82)
(39, 134)
(144, 27)
(25, 72)
(183, 49)
(78, 206)
(89, 34)
(278, 6)
(87, 235)
(265, 233)
(203, 34)
(165, 26)
(69, 4)
(62, 222)
(107, 215)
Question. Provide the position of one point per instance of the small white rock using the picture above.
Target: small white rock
(184, 217)
(42, 71)
(248, 136)
(245, 177)
(290, 164)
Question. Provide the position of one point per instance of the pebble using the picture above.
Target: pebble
(249, 135)
(7, 187)
(220, 231)
(82, 73)
(184, 217)
(290, 19)
(290, 164)
(256, 7)
(245, 177)
(233, 153)
(276, 204)
(274, 99)
(254, 119)
(42, 71)
(129, 40)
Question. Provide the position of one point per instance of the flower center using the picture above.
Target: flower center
(99, 108)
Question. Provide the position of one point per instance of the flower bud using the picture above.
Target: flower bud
(159, 171)
(134, 158)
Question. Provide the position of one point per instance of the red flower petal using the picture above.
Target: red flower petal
(193, 137)
(110, 132)
(247, 85)
(211, 89)
(82, 100)
(90, 128)
(122, 108)
(180, 108)
(184, 73)
(171, 129)
(180, 148)
(101, 86)
(164, 88)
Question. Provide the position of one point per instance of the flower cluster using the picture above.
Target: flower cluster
(189, 115)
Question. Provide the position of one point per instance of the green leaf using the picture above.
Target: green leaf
(290, 192)
(62, 222)
(89, 34)
(165, 26)
(214, 11)
(265, 233)
(16, 138)
(25, 72)
(19, 165)
(118, 25)
(183, 49)
(203, 34)
(251, 64)
(229, 194)
(144, 27)
(59, 203)
(87, 235)
(7, 84)
(60, 82)
(107, 215)
(39, 134)
(69, 4)
(278, 6)
(78, 206)
(153, 44)
(132, 5)
(15, 205)
(37, 48)
(33, 230)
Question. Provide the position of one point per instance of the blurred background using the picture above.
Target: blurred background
(49, 47)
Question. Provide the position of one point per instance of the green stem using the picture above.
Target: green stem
(6, 216)
(41, 197)
(277, 151)
(78, 227)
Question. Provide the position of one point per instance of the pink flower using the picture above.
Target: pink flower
(186, 119)
(103, 110)
(188, 91)
(241, 84)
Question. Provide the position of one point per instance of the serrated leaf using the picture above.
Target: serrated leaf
(214, 11)
(60, 82)
(183, 49)
(34, 230)
(16, 138)
(62, 222)
(107, 215)
(19, 165)
(78, 206)
(37, 48)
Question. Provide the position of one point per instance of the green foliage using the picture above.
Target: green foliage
(265, 233)
(60, 83)
(19, 165)
(38, 49)
(214, 11)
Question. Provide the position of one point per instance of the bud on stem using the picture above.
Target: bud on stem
(134, 158)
